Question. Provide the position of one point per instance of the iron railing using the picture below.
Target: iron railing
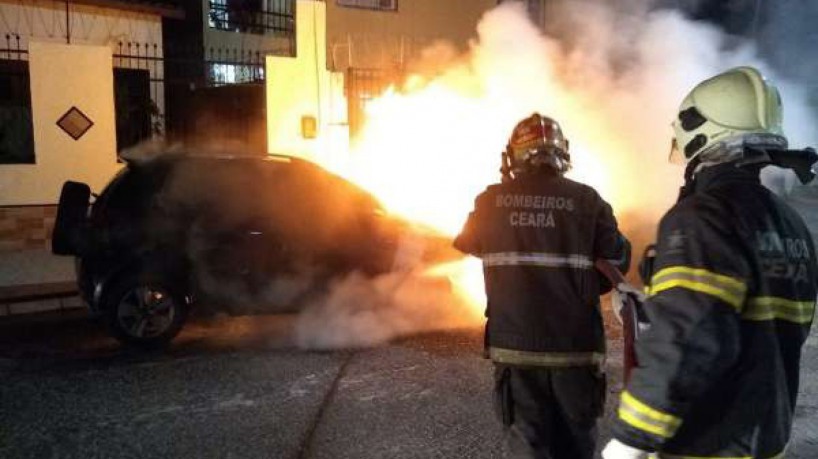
(179, 83)
(13, 49)
(142, 56)
(222, 65)
(232, 66)
(276, 16)
(140, 110)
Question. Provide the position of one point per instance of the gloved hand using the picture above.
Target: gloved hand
(615, 449)
(620, 294)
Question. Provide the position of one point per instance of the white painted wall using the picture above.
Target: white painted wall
(44, 20)
(63, 76)
(302, 86)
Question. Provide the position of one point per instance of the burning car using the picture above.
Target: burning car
(237, 234)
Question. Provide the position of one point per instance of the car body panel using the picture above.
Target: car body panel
(227, 228)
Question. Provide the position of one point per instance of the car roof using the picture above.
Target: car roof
(219, 156)
(167, 161)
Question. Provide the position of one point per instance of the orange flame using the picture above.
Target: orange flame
(427, 152)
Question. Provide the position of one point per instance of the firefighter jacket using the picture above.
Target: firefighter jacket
(538, 237)
(730, 302)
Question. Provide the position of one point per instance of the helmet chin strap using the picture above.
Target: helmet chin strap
(505, 167)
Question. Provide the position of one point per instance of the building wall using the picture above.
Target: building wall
(363, 38)
(28, 192)
(56, 86)
(62, 76)
(26, 227)
(125, 32)
(301, 87)
(44, 20)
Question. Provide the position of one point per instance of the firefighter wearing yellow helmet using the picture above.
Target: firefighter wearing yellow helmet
(538, 235)
(725, 113)
(732, 293)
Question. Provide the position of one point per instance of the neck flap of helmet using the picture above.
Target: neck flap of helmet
(801, 162)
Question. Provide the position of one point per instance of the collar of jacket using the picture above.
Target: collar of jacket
(529, 177)
(538, 175)
(720, 175)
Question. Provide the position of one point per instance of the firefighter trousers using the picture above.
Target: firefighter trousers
(550, 413)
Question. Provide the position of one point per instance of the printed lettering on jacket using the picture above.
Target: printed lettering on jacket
(783, 258)
(538, 209)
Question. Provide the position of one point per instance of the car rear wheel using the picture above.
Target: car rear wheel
(144, 311)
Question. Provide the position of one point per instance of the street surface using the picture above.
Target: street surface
(235, 388)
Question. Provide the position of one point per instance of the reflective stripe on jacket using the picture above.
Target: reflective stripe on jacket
(731, 301)
(546, 359)
(538, 237)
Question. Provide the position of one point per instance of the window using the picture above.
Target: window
(16, 130)
(383, 5)
(225, 73)
(133, 106)
(253, 16)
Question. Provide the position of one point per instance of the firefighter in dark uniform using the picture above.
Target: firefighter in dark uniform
(538, 235)
(733, 290)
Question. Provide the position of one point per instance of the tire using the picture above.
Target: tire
(144, 311)
(70, 225)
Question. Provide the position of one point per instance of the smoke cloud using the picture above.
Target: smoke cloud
(361, 312)
(663, 46)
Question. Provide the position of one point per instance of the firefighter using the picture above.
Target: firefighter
(538, 235)
(732, 294)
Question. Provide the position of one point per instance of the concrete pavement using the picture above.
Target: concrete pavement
(233, 390)
(237, 388)
(36, 267)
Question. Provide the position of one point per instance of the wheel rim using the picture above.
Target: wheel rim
(146, 312)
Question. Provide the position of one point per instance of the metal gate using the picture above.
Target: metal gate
(362, 86)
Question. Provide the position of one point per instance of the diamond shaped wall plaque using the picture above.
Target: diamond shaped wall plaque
(75, 123)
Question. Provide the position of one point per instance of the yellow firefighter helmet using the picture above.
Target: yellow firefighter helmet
(537, 141)
(733, 109)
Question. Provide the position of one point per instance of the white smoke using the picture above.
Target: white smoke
(631, 67)
(361, 312)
